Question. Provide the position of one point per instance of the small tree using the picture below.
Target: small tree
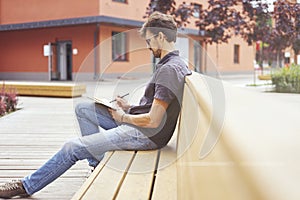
(278, 28)
(258, 27)
(284, 30)
(220, 20)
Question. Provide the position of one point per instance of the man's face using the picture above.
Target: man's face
(153, 43)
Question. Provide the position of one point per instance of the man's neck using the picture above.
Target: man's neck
(168, 47)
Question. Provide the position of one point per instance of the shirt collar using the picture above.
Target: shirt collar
(167, 57)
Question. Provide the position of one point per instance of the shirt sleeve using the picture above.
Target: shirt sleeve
(166, 84)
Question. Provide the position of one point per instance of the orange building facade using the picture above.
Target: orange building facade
(84, 40)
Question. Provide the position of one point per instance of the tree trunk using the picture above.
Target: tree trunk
(262, 59)
(217, 51)
(277, 65)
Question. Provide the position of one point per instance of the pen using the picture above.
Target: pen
(120, 97)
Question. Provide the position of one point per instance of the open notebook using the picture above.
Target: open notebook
(104, 102)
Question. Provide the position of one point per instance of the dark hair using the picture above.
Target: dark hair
(159, 22)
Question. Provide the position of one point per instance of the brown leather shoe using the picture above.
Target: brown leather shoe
(13, 189)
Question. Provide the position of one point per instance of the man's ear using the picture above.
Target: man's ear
(161, 35)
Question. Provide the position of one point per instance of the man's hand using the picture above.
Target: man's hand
(122, 103)
(117, 114)
(148, 120)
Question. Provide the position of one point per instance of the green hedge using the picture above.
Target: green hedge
(287, 79)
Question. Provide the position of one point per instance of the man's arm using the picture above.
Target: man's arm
(146, 120)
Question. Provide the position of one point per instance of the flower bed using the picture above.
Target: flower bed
(8, 100)
(287, 79)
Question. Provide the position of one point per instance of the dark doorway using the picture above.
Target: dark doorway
(62, 65)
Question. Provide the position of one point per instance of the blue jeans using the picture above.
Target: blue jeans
(91, 146)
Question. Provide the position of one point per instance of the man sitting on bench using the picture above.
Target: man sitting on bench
(148, 126)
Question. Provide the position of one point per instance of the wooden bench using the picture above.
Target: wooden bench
(222, 150)
(266, 77)
(172, 172)
(52, 89)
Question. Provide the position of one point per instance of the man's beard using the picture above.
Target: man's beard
(157, 53)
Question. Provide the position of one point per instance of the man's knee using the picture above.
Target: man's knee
(82, 108)
(72, 150)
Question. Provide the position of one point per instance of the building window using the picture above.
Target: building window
(121, 1)
(196, 11)
(236, 54)
(119, 46)
(197, 56)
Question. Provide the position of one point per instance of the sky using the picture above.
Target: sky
(270, 2)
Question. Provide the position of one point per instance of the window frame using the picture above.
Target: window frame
(123, 57)
(196, 11)
(120, 1)
(236, 53)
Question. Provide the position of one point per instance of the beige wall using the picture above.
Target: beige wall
(133, 9)
(225, 53)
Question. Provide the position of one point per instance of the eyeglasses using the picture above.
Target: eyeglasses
(149, 39)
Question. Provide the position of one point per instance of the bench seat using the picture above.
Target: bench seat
(132, 175)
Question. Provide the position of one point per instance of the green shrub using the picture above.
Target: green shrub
(287, 79)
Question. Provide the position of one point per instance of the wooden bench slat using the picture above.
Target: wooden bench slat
(83, 189)
(107, 181)
(138, 181)
(189, 123)
(166, 179)
(165, 186)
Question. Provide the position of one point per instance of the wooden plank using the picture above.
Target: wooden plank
(35, 154)
(61, 189)
(107, 182)
(18, 148)
(15, 173)
(83, 189)
(14, 164)
(138, 181)
(165, 186)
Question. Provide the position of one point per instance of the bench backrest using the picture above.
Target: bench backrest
(205, 168)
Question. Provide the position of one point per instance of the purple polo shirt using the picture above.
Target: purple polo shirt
(166, 84)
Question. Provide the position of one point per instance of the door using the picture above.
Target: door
(62, 69)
